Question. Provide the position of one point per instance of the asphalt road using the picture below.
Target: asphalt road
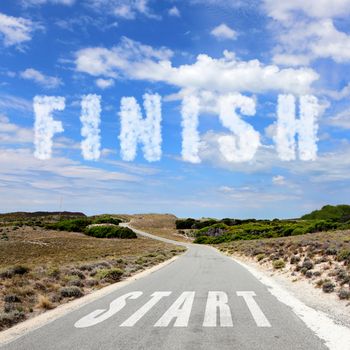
(203, 300)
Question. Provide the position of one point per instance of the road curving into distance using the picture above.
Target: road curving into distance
(202, 300)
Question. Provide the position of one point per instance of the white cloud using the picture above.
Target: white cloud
(285, 10)
(126, 9)
(99, 61)
(38, 77)
(302, 42)
(306, 30)
(104, 83)
(135, 61)
(43, 2)
(10, 102)
(340, 120)
(279, 180)
(11, 133)
(254, 197)
(174, 11)
(16, 30)
(329, 167)
(225, 3)
(338, 95)
(223, 32)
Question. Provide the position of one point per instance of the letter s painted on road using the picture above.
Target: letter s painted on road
(99, 316)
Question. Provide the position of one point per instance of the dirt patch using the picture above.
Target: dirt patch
(162, 225)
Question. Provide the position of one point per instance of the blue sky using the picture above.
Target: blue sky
(117, 48)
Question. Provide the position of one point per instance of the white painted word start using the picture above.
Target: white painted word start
(292, 135)
(217, 311)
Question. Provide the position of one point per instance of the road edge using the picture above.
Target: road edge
(9, 335)
(335, 336)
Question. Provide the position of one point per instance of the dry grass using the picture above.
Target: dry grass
(44, 303)
(41, 269)
(162, 225)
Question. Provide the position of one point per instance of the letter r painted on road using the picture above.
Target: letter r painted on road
(217, 301)
(99, 316)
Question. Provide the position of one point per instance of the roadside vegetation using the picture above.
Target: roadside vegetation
(42, 267)
(314, 247)
(210, 231)
(322, 258)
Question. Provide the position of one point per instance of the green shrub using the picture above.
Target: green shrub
(344, 254)
(12, 271)
(203, 240)
(299, 231)
(8, 319)
(328, 287)
(329, 212)
(261, 256)
(111, 275)
(344, 294)
(73, 225)
(278, 264)
(71, 292)
(110, 232)
(183, 224)
(105, 219)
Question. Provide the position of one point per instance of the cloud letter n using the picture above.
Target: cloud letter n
(45, 126)
(135, 129)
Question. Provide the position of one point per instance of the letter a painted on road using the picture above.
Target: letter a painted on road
(180, 310)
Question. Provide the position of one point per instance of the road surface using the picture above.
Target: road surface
(203, 300)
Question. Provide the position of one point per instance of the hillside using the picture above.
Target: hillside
(340, 213)
(37, 214)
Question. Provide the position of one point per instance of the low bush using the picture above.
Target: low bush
(72, 225)
(328, 287)
(110, 232)
(307, 264)
(12, 298)
(14, 270)
(111, 275)
(344, 255)
(105, 219)
(344, 294)
(71, 292)
(184, 224)
(261, 256)
(278, 264)
(8, 319)
(294, 259)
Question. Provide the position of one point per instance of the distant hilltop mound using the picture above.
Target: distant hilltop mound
(340, 213)
(36, 214)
